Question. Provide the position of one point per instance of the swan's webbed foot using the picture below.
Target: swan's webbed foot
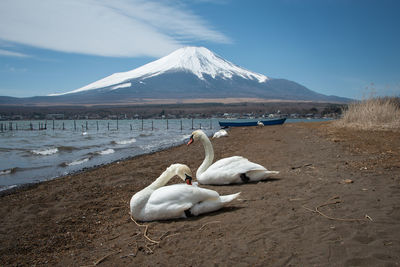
(188, 213)
(244, 178)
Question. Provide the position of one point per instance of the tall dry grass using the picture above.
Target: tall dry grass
(378, 113)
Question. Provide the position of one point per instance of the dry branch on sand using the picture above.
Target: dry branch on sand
(331, 201)
(145, 231)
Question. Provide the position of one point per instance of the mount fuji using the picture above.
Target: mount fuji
(187, 73)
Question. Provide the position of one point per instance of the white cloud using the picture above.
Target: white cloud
(120, 28)
(8, 53)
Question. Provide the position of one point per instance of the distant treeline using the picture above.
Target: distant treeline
(198, 110)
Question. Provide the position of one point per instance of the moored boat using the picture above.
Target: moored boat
(250, 122)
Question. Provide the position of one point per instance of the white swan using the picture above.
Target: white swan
(159, 202)
(230, 170)
(220, 133)
(260, 123)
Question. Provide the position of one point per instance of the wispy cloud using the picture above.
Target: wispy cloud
(121, 28)
(8, 68)
(8, 53)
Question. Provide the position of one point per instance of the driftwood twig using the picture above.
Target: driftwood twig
(208, 224)
(301, 166)
(331, 201)
(145, 231)
(114, 237)
(105, 257)
(97, 262)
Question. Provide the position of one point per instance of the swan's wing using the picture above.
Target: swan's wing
(220, 133)
(228, 170)
(171, 201)
(216, 135)
(234, 164)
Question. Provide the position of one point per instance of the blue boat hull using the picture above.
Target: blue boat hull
(242, 123)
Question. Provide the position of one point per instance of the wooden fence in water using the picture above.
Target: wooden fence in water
(111, 125)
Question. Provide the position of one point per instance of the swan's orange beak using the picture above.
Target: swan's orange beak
(191, 140)
(188, 179)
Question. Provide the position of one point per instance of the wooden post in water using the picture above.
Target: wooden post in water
(117, 123)
(75, 125)
(152, 126)
(167, 124)
(16, 126)
(142, 123)
(192, 123)
(10, 126)
(108, 125)
(63, 126)
(86, 125)
(200, 125)
(210, 124)
(131, 126)
(1, 127)
(181, 126)
(53, 125)
(97, 125)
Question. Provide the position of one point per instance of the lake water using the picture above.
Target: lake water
(29, 156)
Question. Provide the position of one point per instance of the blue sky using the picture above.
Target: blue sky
(347, 48)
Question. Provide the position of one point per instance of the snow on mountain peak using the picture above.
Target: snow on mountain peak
(198, 60)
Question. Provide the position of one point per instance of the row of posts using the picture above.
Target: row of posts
(43, 126)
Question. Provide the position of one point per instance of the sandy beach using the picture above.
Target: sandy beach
(336, 202)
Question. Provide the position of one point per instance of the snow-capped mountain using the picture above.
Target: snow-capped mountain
(196, 60)
(187, 73)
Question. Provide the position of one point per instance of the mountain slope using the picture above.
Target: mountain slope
(196, 60)
(187, 73)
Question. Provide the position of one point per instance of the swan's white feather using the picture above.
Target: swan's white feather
(220, 133)
(228, 170)
(180, 194)
(170, 202)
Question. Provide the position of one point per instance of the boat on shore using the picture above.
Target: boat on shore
(250, 122)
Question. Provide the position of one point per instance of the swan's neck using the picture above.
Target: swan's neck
(140, 199)
(162, 180)
(209, 155)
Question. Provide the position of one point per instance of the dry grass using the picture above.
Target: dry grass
(372, 114)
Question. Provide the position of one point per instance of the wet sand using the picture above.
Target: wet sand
(335, 202)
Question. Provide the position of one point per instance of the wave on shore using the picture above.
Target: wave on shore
(75, 162)
(45, 152)
(125, 142)
(106, 152)
(8, 171)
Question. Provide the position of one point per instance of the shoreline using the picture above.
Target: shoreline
(16, 188)
(78, 219)
(60, 172)
(37, 168)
